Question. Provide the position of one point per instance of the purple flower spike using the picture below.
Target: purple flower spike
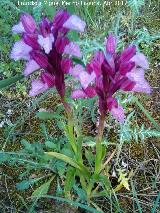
(48, 49)
(28, 23)
(75, 23)
(110, 72)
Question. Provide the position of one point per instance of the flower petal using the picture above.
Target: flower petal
(140, 60)
(46, 42)
(76, 70)
(111, 102)
(20, 50)
(75, 23)
(31, 66)
(90, 92)
(61, 43)
(28, 23)
(118, 113)
(141, 85)
(48, 79)
(127, 85)
(60, 18)
(38, 86)
(96, 62)
(126, 67)
(73, 49)
(86, 79)
(78, 94)
(66, 65)
(111, 44)
(31, 40)
(45, 27)
(40, 58)
(18, 28)
(128, 53)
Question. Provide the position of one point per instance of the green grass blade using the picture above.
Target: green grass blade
(157, 126)
(73, 203)
(8, 82)
(157, 201)
(136, 198)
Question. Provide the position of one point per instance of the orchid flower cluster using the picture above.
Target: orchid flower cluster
(48, 49)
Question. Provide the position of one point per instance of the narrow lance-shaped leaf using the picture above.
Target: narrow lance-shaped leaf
(49, 115)
(8, 82)
(43, 189)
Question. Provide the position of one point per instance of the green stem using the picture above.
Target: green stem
(71, 135)
(98, 160)
(70, 126)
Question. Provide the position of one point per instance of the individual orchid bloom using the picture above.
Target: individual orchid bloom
(47, 48)
(26, 24)
(20, 50)
(113, 71)
(42, 84)
(75, 23)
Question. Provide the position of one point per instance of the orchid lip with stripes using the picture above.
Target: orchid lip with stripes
(47, 48)
(109, 72)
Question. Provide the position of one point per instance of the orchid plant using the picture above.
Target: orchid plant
(48, 50)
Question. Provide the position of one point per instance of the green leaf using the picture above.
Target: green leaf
(73, 35)
(78, 61)
(50, 145)
(64, 158)
(27, 145)
(73, 203)
(25, 184)
(136, 5)
(48, 115)
(8, 82)
(90, 157)
(69, 182)
(123, 179)
(43, 189)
